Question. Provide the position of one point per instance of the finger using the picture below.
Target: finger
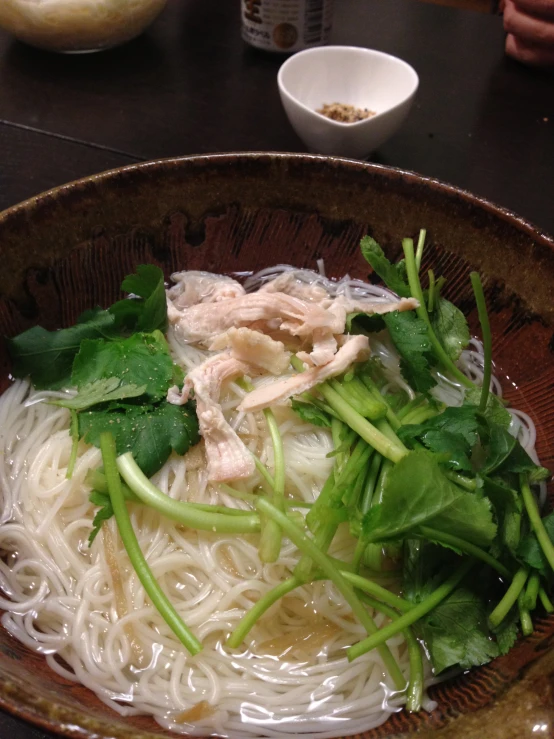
(536, 56)
(538, 8)
(527, 28)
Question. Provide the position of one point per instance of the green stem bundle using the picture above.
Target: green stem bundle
(159, 600)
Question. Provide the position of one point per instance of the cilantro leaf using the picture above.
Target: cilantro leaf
(423, 569)
(142, 360)
(450, 327)
(364, 323)
(452, 445)
(148, 311)
(456, 632)
(495, 412)
(149, 432)
(506, 632)
(530, 552)
(505, 455)
(410, 337)
(104, 513)
(518, 461)
(417, 493)
(47, 356)
(454, 431)
(393, 277)
(100, 391)
(311, 413)
(499, 447)
(508, 506)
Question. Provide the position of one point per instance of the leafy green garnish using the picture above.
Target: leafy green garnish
(364, 323)
(147, 313)
(499, 447)
(100, 391)
(417, 493)
(506, 633)
(47, 356)
(393, 275)
(311, 413)
(456, 632)
(507, 507)
(104, 512)
(495, 411)
(454, 432)
(450, 327)
(142, 360)
(149, 432)
(530, 552)
(409, 335)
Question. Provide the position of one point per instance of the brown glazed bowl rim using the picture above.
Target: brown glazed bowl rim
(68, 722)
(230, 157)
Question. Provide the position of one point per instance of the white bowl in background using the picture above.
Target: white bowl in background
(351, 75)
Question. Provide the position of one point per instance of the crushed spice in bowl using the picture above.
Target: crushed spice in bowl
(344, 113)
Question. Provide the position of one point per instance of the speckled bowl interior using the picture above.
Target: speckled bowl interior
(68, 249)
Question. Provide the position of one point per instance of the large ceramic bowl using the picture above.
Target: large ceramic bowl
(68, 249)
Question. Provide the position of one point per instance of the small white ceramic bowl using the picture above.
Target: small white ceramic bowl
(354, 76)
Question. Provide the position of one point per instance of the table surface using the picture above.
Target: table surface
(190, 85)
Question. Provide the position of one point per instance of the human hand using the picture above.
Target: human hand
(530, 28)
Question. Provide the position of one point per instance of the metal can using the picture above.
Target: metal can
(286, 25)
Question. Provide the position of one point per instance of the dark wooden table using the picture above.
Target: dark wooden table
(190, 85)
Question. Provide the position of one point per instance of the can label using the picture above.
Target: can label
(286, 25)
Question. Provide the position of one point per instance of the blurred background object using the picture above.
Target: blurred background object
(286, 25)
(77, 26)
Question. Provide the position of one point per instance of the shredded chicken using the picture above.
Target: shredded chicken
(356, 349)
(214, 311)
(200, 323)
(193, 288)
(342, 306)
(324, 348)
(228, 458)
(287, 283)
(255, 348)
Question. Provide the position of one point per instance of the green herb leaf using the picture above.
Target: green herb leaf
(417, 493)
(530, 552)
(148, 312)
(506, 632)
(47, 356)
(363, 323)
(142, 360)
(450, 327)
(149, 432)
(499, 447)
(311, 413)
(519, 462)
(456, 632)
(409, 335)
(393, 276)
(495, 412)
(454, 431)
(100, 391)
(104, 513)
(423, 569)
(508, 506)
